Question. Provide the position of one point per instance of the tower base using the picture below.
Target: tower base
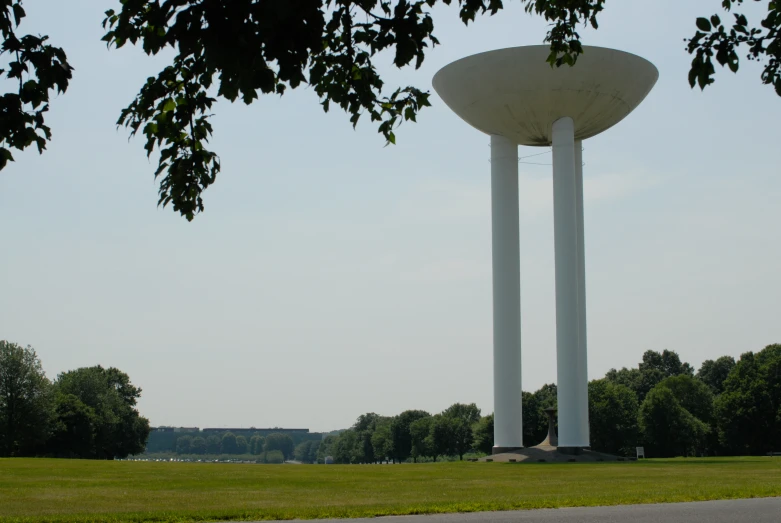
(504, 450)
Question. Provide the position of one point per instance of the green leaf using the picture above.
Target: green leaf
(18, 13)
(703, 25)
(734, 62)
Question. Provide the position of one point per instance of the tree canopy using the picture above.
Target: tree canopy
(244, 48)
(120, 429)
(25, 400)
(86, 413)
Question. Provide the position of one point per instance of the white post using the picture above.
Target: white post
(508, 429)
(565, 228)
(582, 345)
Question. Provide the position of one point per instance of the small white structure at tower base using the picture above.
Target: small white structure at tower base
(517, 98)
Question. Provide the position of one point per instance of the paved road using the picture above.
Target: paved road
(767, 510)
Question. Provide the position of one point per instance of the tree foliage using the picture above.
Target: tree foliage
(244, 48)
(75, 424)
(464, 417)
(26, 401)
(655, 367)
(483, 433)
(198, 445)
(400, 433)
(714, 373)
(420, 434)
(281, 442)
(306, 451)
(212, 444)
(749, 408)
(120, 430)
(228, 444)
(535, 419)
(692, 394)
(668, 428)
(256, 443)
(382, 440)
(242, 447)
(612, 413)
(722, 41)
(442, 436)
(35, 70)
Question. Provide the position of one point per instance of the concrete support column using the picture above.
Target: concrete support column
(572, 387)
(508, 429)
(582, 345)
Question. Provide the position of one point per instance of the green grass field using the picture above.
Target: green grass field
(91, 491)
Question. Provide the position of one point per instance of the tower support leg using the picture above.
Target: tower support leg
(572, 375)
(508, 428)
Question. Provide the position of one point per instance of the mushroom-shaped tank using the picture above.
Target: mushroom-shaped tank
(515, 93)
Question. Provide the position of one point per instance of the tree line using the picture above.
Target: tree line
(727, 407)
(229, 443)
(84, 413)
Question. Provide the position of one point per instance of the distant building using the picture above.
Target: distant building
(261, 430)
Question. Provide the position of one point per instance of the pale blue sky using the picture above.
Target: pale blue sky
(331, 276)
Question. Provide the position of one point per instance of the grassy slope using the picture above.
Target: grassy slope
(86, 491)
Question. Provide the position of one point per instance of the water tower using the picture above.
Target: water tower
(516, 97)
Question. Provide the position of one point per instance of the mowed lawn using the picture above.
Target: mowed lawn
(119, 491)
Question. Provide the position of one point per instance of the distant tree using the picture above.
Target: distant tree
(256, 443)
(612, 411)
(535, 420)
(213, 444)
(668, 363)
(74, 428)
(420, 435)
(301, 452)
(242, 447)
(654, 368)
(119, 428)
(470, 413)
(463, 416)
(748, 411)
(26, 401)
(228, 443)
(442, 436)
(306, 451)
(183, 444)
(400, 435)
(693, 395)
(273, 457)
(281, 442)
(314, 448)
(669, 429)
(382, 441)
(714, 373)
(630, 378)
(326, 447)
(364, 428)
(343, 447)
(198, 445)
(483, 432)
(463, 438)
